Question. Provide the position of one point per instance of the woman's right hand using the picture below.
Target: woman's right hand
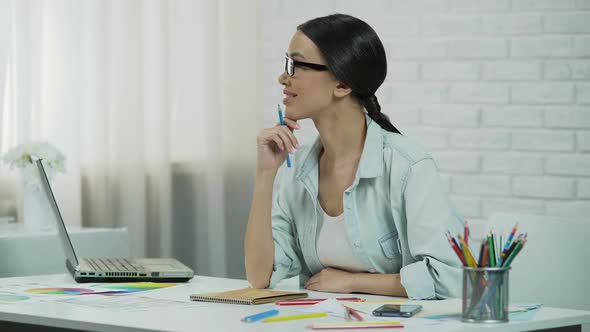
(275, 143)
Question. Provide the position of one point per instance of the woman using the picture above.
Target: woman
(363, 209)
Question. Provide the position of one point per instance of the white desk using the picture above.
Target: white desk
(52, 316)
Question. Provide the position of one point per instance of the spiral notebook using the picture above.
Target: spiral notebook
(247, 296)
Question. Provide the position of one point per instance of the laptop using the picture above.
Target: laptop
(111, 269)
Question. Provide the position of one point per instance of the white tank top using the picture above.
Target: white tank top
(333, 247)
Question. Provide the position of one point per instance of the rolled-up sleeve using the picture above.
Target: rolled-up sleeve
(433, 270)
(287, 255)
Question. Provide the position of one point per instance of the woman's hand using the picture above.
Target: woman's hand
(275, 143)
(331, 280)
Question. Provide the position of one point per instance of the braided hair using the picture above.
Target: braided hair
(355, 56)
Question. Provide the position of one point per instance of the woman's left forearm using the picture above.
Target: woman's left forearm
(378, 283)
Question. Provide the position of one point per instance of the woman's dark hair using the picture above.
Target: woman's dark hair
(355, 56)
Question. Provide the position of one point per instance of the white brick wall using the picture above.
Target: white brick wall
(583, 139)
(498, 91)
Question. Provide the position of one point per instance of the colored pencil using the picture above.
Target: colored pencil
(295, 317)
(282, 122)
(315, 301)
(456, 249)
(356, 325)
(260, 316)
(467, 252)
(353, 313)
(466, 232)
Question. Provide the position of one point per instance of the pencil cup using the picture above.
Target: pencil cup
(485, 294)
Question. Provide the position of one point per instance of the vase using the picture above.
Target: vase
(37, 214)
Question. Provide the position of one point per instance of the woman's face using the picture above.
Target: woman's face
(308, 91)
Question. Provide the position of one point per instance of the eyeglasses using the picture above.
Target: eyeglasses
(290, 65)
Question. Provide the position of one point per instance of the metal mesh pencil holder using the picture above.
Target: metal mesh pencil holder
(485, 294)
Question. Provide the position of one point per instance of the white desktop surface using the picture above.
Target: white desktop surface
(223, 317)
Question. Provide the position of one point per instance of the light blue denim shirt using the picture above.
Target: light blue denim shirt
(396, 214)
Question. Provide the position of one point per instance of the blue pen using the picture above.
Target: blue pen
(262, 315)
(282, 121)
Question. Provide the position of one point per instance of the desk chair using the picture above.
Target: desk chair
(554, 266)
(24, 253)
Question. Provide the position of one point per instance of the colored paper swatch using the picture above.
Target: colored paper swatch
(59, 291)
(12, 298)
(134, 287)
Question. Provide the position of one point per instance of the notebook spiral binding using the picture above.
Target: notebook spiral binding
(219, 300)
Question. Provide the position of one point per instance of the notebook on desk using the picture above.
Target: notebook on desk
(247, 296)
(111, 269)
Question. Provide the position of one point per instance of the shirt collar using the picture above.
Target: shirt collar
(371, 163)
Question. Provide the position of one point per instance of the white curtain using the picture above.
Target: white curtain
(155, 105)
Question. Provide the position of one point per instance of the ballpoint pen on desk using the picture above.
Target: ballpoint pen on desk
(282, 122)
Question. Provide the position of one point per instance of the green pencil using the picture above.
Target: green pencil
(492, 250)
(513, 254)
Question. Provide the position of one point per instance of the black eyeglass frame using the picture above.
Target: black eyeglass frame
(290, 65)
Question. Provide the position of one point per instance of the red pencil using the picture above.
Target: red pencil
(456, 249)
(315, 301)
(353, 313)
(466, 233)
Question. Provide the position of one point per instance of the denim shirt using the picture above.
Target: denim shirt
(396, 214)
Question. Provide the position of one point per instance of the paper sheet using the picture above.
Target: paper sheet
(127, 303)
(52, 292)
(431, 309)
(334, 308)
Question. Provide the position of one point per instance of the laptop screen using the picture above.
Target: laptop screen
(61, 227)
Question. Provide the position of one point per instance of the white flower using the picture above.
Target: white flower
(20, 157)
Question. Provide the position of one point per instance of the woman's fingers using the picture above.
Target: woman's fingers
(278, 141)
(292, 124)
(282, 136)
(292, 137)
(313, 280)
(288, 144)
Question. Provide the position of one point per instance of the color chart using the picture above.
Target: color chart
(59, 291)
(136, 286)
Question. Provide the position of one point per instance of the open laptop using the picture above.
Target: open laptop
(111, 269)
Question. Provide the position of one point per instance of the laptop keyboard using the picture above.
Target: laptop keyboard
(112, 264)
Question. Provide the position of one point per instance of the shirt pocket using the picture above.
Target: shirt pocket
(389, 245)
